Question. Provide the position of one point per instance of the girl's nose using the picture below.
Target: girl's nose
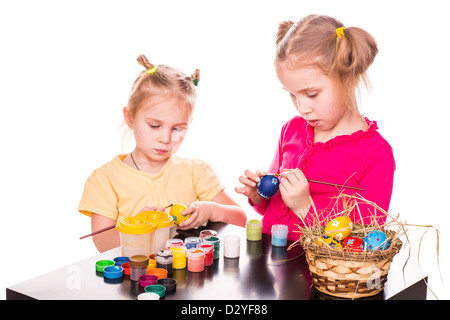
(303, 106)
(165, 137)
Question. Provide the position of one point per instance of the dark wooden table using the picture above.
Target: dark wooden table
(260, 273)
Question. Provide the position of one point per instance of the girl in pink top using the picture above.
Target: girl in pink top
(320, 63)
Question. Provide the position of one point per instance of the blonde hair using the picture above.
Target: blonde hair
(157, 80)
(313, 42)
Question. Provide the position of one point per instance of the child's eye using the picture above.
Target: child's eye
(178, 129)
(154, 126)
(312, 94)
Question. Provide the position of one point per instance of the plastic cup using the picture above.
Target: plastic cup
(163, 222)
(136, 236)
(231, 246)
(279, 235)
(254, 230)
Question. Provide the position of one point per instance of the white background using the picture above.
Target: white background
(66, 68)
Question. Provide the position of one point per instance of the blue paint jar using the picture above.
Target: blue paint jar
(191, 242)
(279, 235)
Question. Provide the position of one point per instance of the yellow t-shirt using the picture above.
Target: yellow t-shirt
(116, 190)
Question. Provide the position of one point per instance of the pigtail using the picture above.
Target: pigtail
(283, 36)
(196, 77)
(143, 61)
(355, 52)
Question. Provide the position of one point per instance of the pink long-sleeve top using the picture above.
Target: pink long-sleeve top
(363, 159)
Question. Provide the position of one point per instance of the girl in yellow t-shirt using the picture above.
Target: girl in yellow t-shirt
(159, 112)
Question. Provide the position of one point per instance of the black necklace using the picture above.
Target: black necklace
(131, 154)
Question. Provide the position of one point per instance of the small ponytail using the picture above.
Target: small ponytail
(143, 61)
(355, 52)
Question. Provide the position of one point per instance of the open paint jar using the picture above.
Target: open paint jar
(191, 242)
(136, 236)
(196, 260)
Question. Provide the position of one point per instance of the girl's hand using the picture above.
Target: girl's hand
(200, 212)
(250, 181)
(294, 189)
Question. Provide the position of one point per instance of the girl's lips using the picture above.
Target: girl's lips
(160, 151)
(313, 123)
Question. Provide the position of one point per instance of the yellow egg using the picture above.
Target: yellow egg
(339, 228)
(329, 241)
(175, 212)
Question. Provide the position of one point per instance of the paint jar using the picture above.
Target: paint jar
(163, 222)
(136, 236)
(148, 296)
(121, 260)
(231, 246)
(279, 235)
(196, 260)
(205, 233)
(191, 242)
(156, 288)
(208, 249)
(254, 230)
(216, 242)
(173, 243)
(147, 279)
(164, 260)
(151, 264)
(126, 268)
(138, 266)
(102, 264)
(159, 272)
(179, 257)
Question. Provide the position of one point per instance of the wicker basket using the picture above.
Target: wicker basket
(345, 274)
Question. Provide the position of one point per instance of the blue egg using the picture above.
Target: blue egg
(376, 240)
(268, 186)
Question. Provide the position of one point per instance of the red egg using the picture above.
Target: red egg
(353, 244)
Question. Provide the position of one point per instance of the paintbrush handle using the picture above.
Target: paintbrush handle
(110, 227)
(328, 183)
(98, 231)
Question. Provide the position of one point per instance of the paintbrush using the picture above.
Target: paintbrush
(328, 183)
(111, 227)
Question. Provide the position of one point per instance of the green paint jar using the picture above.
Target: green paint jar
(254, 230)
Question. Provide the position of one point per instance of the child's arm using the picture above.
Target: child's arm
(106, 240)
(222, 208)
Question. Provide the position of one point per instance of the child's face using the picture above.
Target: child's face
(315, 96)
(159, 126)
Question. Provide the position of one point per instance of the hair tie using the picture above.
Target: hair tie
(152, 70)
(340, 32)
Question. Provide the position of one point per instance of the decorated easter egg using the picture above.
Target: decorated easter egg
(339, 228)
(175, 212)
(329, 241)
(353, 244)
(268, 186)
(376, 240)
